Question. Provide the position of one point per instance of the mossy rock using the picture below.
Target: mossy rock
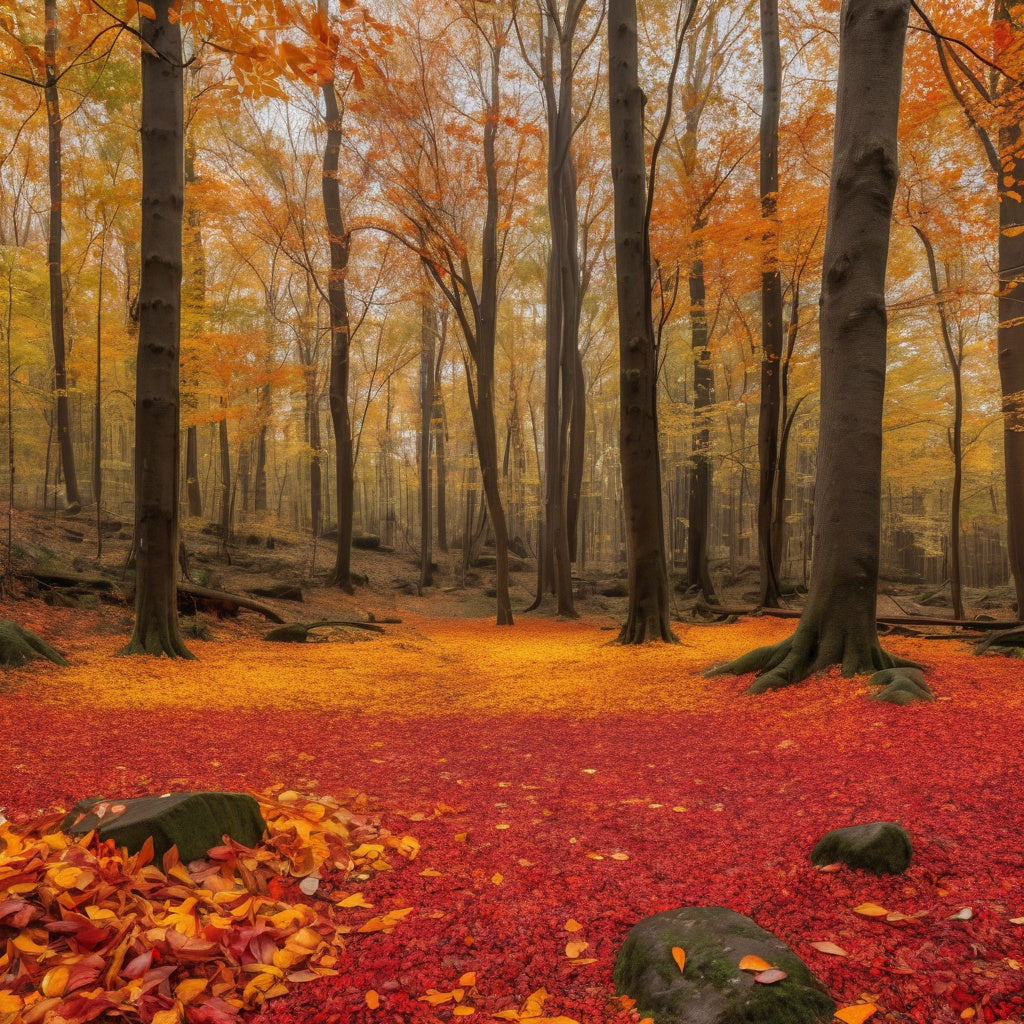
(712, 989)
(194, 822)
(882, 847)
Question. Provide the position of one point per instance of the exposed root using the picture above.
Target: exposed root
(801, 655)
(901, 686)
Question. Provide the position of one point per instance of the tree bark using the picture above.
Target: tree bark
(53, 259)
(838, 622)
(771, 302)
(698, 572)
(157, 408)
(193, 493)
(648, 610)
(426, 409)
(340, 243)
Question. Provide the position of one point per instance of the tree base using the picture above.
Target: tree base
(159, 643)
(19, 646)
(804, 654)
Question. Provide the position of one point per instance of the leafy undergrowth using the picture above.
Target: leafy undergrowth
(561, 789)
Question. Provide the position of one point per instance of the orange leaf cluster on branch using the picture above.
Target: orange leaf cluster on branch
(89, 931)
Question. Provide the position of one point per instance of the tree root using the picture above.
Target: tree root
(19, 645)
(798, 657)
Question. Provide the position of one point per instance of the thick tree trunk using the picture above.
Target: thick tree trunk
(157, 406)
(698, 572)
(648, 610)
(53, 259)
(838, 622)
(771, 302)
(340, 243)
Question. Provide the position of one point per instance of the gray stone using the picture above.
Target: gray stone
(882, 847)
(712, 989)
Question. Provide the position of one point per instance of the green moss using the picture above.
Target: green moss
(785, 1002)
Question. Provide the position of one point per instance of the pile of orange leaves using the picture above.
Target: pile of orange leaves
(88, 931)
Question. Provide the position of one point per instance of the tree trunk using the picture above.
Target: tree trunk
(438, 423)
(698, 572)
(771, 302)
(426, 408)
(157, 406)
(193, 492)
(225, 477)
(53, 258)
(648, 610)
(340, 242)
(259, 499)
(838, 622)
(955, 360)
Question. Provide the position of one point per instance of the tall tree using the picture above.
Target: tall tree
(157, 406)
(771, 303)
(838, 622)
(53, 257)
(648, 613)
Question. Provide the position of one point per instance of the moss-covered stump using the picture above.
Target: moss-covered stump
(900, 686)
(19, 646)
(194, 822)
(882, 847)
(711, 989)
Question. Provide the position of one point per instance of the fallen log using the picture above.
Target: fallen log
(298, 632)
(222, 597)
(889, 620)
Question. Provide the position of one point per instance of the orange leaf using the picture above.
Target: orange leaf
(754, 963)
(468, 980)
(463, 1011)
(829, 947)
(870, 910)
(856, 1014)
(573, 925)
(372, 999)
(679, 955)
(146, 11)
(575, 947)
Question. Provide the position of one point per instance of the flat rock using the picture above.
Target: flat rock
(882, 847)
(194, 822)
(711, 989)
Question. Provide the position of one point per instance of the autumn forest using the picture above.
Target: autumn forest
(512, 509)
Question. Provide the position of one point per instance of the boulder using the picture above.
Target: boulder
(882, 847)
(194, 822)
(711, 989)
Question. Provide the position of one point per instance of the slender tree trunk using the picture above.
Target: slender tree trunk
(698, 571)
(426, 409)
(97, 419)
(315, 453)
(157, 407)
(53, 258)
(771, 301)
(955, 360)
(259, 498)
(786, 418)
(192, 489)
(340, 242)
(438, 419)
(225, 477)
(648, 611)
(838, 622)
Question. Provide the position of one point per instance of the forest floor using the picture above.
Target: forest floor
(558, 789)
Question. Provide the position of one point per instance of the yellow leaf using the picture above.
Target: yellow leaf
(463, 1011)
(436, 997)
(754, 963)
(431, 873)
(24, 944)
(166, 1017)
(856, 1014)
(572, 925)
(497, 878)
(575, 947)
(830, 948)
(968, 1013)
(54, 981)
(189, 989)
(679, 955)
(9, 1002)
(355, 900)
(468, 980)
(620, 856)
(461, 837)
(870, 910)
(372, 999)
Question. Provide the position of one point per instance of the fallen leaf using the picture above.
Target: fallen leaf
(463, 1011)
(468, 980)
(497, 878)
(754, 963)
(679, 955)
(829, 947)
(856, 1014)
(575, 947)
(572, 925)
(372, 999)
(870, 910)
(963, 914)
(770, 977)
